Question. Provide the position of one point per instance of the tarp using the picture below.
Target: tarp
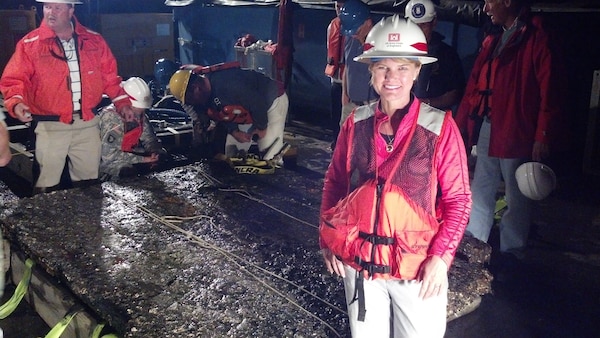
(465, 12)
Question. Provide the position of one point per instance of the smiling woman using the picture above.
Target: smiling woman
(367, 236)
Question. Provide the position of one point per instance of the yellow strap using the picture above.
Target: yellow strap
(60, 327)
(7, 308)
(98, 329)
(500, 206)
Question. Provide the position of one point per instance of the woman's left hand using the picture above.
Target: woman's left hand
(434, 277)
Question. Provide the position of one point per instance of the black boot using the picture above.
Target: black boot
(44, 190)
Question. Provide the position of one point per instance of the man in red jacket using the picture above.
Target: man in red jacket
(335, 68)
(56, 78)
(511, 106)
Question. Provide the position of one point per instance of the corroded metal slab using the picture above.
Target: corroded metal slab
(199, 251)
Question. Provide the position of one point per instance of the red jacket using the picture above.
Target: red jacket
(442, 164)
(335, 50)
(38, 75)
(526, 97)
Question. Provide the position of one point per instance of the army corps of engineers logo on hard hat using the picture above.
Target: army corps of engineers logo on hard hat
(418, 11)
(393, 40)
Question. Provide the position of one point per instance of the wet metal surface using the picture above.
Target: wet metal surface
(200, 251)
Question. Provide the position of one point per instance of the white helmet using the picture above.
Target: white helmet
(395, 37)
(535, 180)
(420, 11)
(138, 92)
(73, 2)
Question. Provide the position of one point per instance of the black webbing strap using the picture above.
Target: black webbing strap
(371, 267)
(376, 239)
(359, 295)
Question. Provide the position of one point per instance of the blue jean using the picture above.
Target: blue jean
(516, 220)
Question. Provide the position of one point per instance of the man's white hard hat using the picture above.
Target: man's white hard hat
(535, 180)
(420, 11)
(138, 92)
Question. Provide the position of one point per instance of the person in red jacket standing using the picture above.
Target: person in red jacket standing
(55, 79)
(396, 196)
(510, 110)
(5, 153)
(335, 68)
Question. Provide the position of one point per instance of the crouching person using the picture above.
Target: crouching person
(245, 104)
(127, 144)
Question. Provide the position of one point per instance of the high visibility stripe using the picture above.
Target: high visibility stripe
(61, 326)
(7, 308)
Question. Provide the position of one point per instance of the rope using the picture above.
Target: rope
(235, 259)
(246, 194)
(7, 308)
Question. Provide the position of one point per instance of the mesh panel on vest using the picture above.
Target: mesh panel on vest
(414, 174)
(362, 154)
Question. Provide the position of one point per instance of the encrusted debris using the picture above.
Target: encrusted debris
(199, 251)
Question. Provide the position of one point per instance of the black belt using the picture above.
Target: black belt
(54, 118)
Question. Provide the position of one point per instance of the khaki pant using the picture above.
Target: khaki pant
(57, 141)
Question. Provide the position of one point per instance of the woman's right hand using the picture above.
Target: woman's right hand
(333, 264)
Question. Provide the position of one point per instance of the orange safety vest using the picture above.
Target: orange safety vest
(377, 228)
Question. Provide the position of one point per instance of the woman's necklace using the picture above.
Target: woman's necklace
(389, 142)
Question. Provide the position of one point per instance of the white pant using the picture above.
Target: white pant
(394, 306)
(276, 116)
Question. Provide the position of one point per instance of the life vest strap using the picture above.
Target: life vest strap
(376, 239)
(359, 295)
(371, 267)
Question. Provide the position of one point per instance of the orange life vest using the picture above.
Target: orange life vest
(378, 228)
(231, 113)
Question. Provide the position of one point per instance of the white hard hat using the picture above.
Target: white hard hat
(535, 180)
(138, 92)
(420, 11)
(395, 37)
(73, 2)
